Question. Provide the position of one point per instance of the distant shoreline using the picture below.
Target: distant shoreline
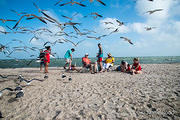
(61, 68)
(96, 57)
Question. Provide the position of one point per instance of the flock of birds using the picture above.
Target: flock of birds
(18, 89)
(44, 18)
(64, 37)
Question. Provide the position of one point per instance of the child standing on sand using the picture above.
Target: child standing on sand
(47, 58)
(136, 67)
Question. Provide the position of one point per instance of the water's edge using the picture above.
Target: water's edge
(11, 63)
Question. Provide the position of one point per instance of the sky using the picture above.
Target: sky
(163, 40)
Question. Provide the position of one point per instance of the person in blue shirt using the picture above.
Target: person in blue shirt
(68, 58)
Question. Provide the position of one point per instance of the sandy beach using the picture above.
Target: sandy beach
(153, 95)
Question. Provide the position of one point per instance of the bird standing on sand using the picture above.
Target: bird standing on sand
(45, 76)
(1, 115)
(19, 94)
(63, 75)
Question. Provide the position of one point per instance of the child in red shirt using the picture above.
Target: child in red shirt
(128, 68)
(136, 67)
(47, 58)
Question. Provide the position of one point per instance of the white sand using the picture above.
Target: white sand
(155, 94)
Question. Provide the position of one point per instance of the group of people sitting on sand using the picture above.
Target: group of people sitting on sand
(94, 67)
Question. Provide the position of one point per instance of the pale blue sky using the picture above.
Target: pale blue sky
(162, 41)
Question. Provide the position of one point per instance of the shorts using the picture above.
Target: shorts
(88, 66)
(42, 63)
(46, 61)
(67, 60)
(107, 65)
(99, 59)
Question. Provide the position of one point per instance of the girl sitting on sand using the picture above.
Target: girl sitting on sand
(136, 67)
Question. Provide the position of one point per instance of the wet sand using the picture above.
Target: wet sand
(153, 95)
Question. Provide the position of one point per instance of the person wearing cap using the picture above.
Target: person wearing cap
(88, 64)
(47, 58)
(68, 58)
(100, 56)
(109, 62)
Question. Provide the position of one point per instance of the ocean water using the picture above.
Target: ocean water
(11, 63)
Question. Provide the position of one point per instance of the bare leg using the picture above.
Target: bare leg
(69, 64)
(91, 68)
(138, 72)
(95, 67)
(40, 67)
(101, 66)
(46, 67)
(65, 65)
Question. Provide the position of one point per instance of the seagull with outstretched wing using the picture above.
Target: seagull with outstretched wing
(149, 28)
(6, 76)
(7, 20)
(126, 39)
(17, 12)
(1, 91)
(28, 82)
(153, 11)
(29, 15)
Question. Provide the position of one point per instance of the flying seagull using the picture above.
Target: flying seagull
(75, 44)
(6, 20)
(9, 89)
(97, 38)
(6, 76)
(116, 30)
(126, 39)
(29, 15)
(57, 2)
(120, 23)
(149, 28)
(153, 11)
(96, 15)
(72, 2)
(28, 81)
(17, 12)
(99, 2)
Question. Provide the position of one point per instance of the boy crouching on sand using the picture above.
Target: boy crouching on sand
(136, 67)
